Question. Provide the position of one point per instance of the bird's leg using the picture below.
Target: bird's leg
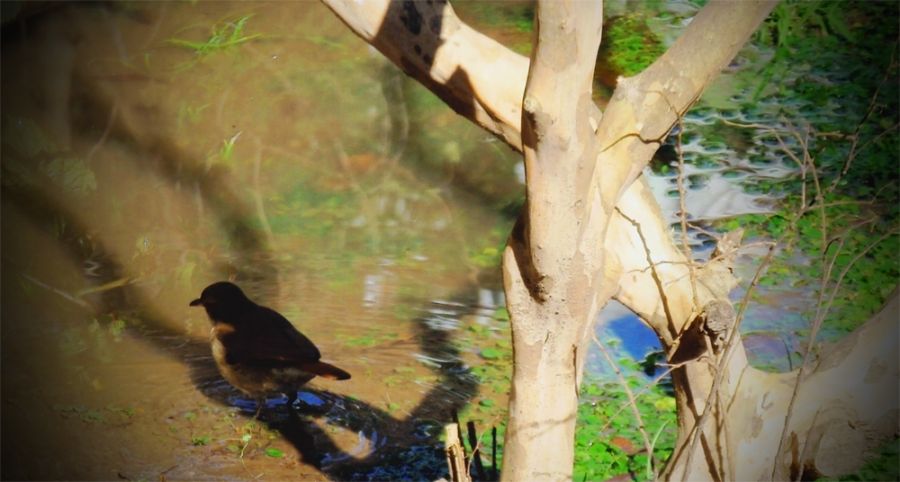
(260, 403)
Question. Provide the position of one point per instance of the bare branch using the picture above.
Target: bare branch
(855, 136)
(649, 104)
(478, 77)
(632, 402)
(732, 345)
(817, 324)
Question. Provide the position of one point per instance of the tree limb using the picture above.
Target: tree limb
(478, 77)
(645, 107)
(558, 138)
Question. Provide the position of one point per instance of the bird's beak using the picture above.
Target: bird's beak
(197, 302)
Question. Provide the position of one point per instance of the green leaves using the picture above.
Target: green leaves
(629, 46)
(72, 174)
(367, 340)
(607, 441)
(491, 353)
(274, 453)
(222, 37)
(201, 440)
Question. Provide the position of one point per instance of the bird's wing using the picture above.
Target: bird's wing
(275, 341)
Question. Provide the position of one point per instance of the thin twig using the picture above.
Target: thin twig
(475, 444)
(715, 258)
(682, 215)
(632, 402)
(257, 194)
(697, 430)
(74, 299)
(653, 444)
(110, 121)
(640, 392)
(666, 334)
(851, 156)
(817, 324)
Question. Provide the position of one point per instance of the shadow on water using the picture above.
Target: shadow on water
(125, 112)
(40, 202)
(454, 390)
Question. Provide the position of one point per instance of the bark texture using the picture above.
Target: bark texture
(591, 230)
(553, 279)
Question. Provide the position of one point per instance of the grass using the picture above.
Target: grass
(882, 467)
(223, 36)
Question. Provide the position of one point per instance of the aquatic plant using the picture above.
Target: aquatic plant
(223, 36)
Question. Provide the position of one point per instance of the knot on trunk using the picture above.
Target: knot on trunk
(716, 320)
(535, 282)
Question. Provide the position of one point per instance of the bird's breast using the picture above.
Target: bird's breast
(245, 382)
(219, 331)
(218, 351)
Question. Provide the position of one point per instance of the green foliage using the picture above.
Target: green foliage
(188, 114)
(110, 414)
(835, 69)
(793, 21)
(200, 440)
(491, 353)
(226, 152)
(311, 210)
(628, 45)
(367, 340)
(886, 466)
(274, 453)
(501, 314)
(486, 258)
(868, 276)
(72, 174)
(831, 59)
(607, 440)
(491, 243)
(503, 16)
(221, 38)
(116, 328)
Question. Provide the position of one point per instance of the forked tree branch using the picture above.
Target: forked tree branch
(645, 107)
(485, 82)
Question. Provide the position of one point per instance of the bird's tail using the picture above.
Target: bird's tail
(326, 370)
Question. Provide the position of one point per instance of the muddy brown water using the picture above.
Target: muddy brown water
(137, 169)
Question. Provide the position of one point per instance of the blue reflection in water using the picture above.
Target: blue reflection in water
(637, 338)
(624, 336)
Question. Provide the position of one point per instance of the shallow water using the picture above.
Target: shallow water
(298, 164)
(137, 171)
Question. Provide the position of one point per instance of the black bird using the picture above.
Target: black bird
(257, 350)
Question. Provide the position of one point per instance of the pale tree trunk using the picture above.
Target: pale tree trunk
(553, 265)
(591, 230)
